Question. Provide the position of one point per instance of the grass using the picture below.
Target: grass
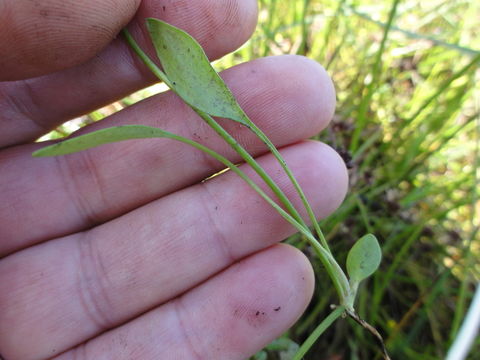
(406, 74)
(408, 124)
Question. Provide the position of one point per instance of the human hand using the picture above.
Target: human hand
(121, 252)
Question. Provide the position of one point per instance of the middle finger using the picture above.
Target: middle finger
(87, 283)
(31, 107)
(291, 98)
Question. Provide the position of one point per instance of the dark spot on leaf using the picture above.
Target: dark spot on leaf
(174, 83)
(165, 47)
(277, 309)
(257, 313)
(216, 207)
(164, 8)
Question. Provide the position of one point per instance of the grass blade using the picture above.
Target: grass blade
(364, 105)
(324, 325)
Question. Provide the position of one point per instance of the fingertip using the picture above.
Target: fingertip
(321, 173)
(39, 37)
(325, 174)
(220, 26)
(281, 286)
(263, 295)
(318, 89)
(301, 272)
(245, 14)
(299, 89)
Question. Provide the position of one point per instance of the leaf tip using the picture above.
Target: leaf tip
(364, 258)
(37, 154)
(153, 22)
(43, 152)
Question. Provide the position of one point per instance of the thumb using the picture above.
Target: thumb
(43, 36)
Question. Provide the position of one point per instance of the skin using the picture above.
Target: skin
(122, 252)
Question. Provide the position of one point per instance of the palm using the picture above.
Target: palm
(121, 252)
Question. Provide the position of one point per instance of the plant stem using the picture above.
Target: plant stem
(249, 181)
(144, 57)
(220, 130)
(293, 180)
(162, 76)
(254, 164)
(324, 325)
(334, 271)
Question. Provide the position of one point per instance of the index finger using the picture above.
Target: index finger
(32, 107)
(39, 37)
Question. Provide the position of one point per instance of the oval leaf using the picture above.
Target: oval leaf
(101, 137)
(364, 258)
(190, 73)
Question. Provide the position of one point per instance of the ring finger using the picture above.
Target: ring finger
(101, 278)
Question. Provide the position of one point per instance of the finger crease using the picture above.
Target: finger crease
(187, 335)
(219, 234)
(200, 132)
(133, 59)
(73, 175)
(18, 105)
(93, 284)
(79, 353)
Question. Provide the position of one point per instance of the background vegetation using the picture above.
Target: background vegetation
(408, 126)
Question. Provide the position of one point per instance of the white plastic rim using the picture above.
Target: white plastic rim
(468, 331)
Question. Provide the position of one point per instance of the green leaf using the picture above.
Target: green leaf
(364, 258)
(128, 132)
(190, 73)
(101, 137)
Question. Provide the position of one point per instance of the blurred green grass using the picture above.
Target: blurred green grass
(408, 125)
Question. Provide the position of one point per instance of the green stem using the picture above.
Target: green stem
(334, 271)
(324, 325)
(144, 57)
(249, 181)
(254, 164)
(292, 178)
(224, 134)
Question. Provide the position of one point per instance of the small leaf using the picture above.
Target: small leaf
(101, 137)
(190, 73)
(364, 258)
